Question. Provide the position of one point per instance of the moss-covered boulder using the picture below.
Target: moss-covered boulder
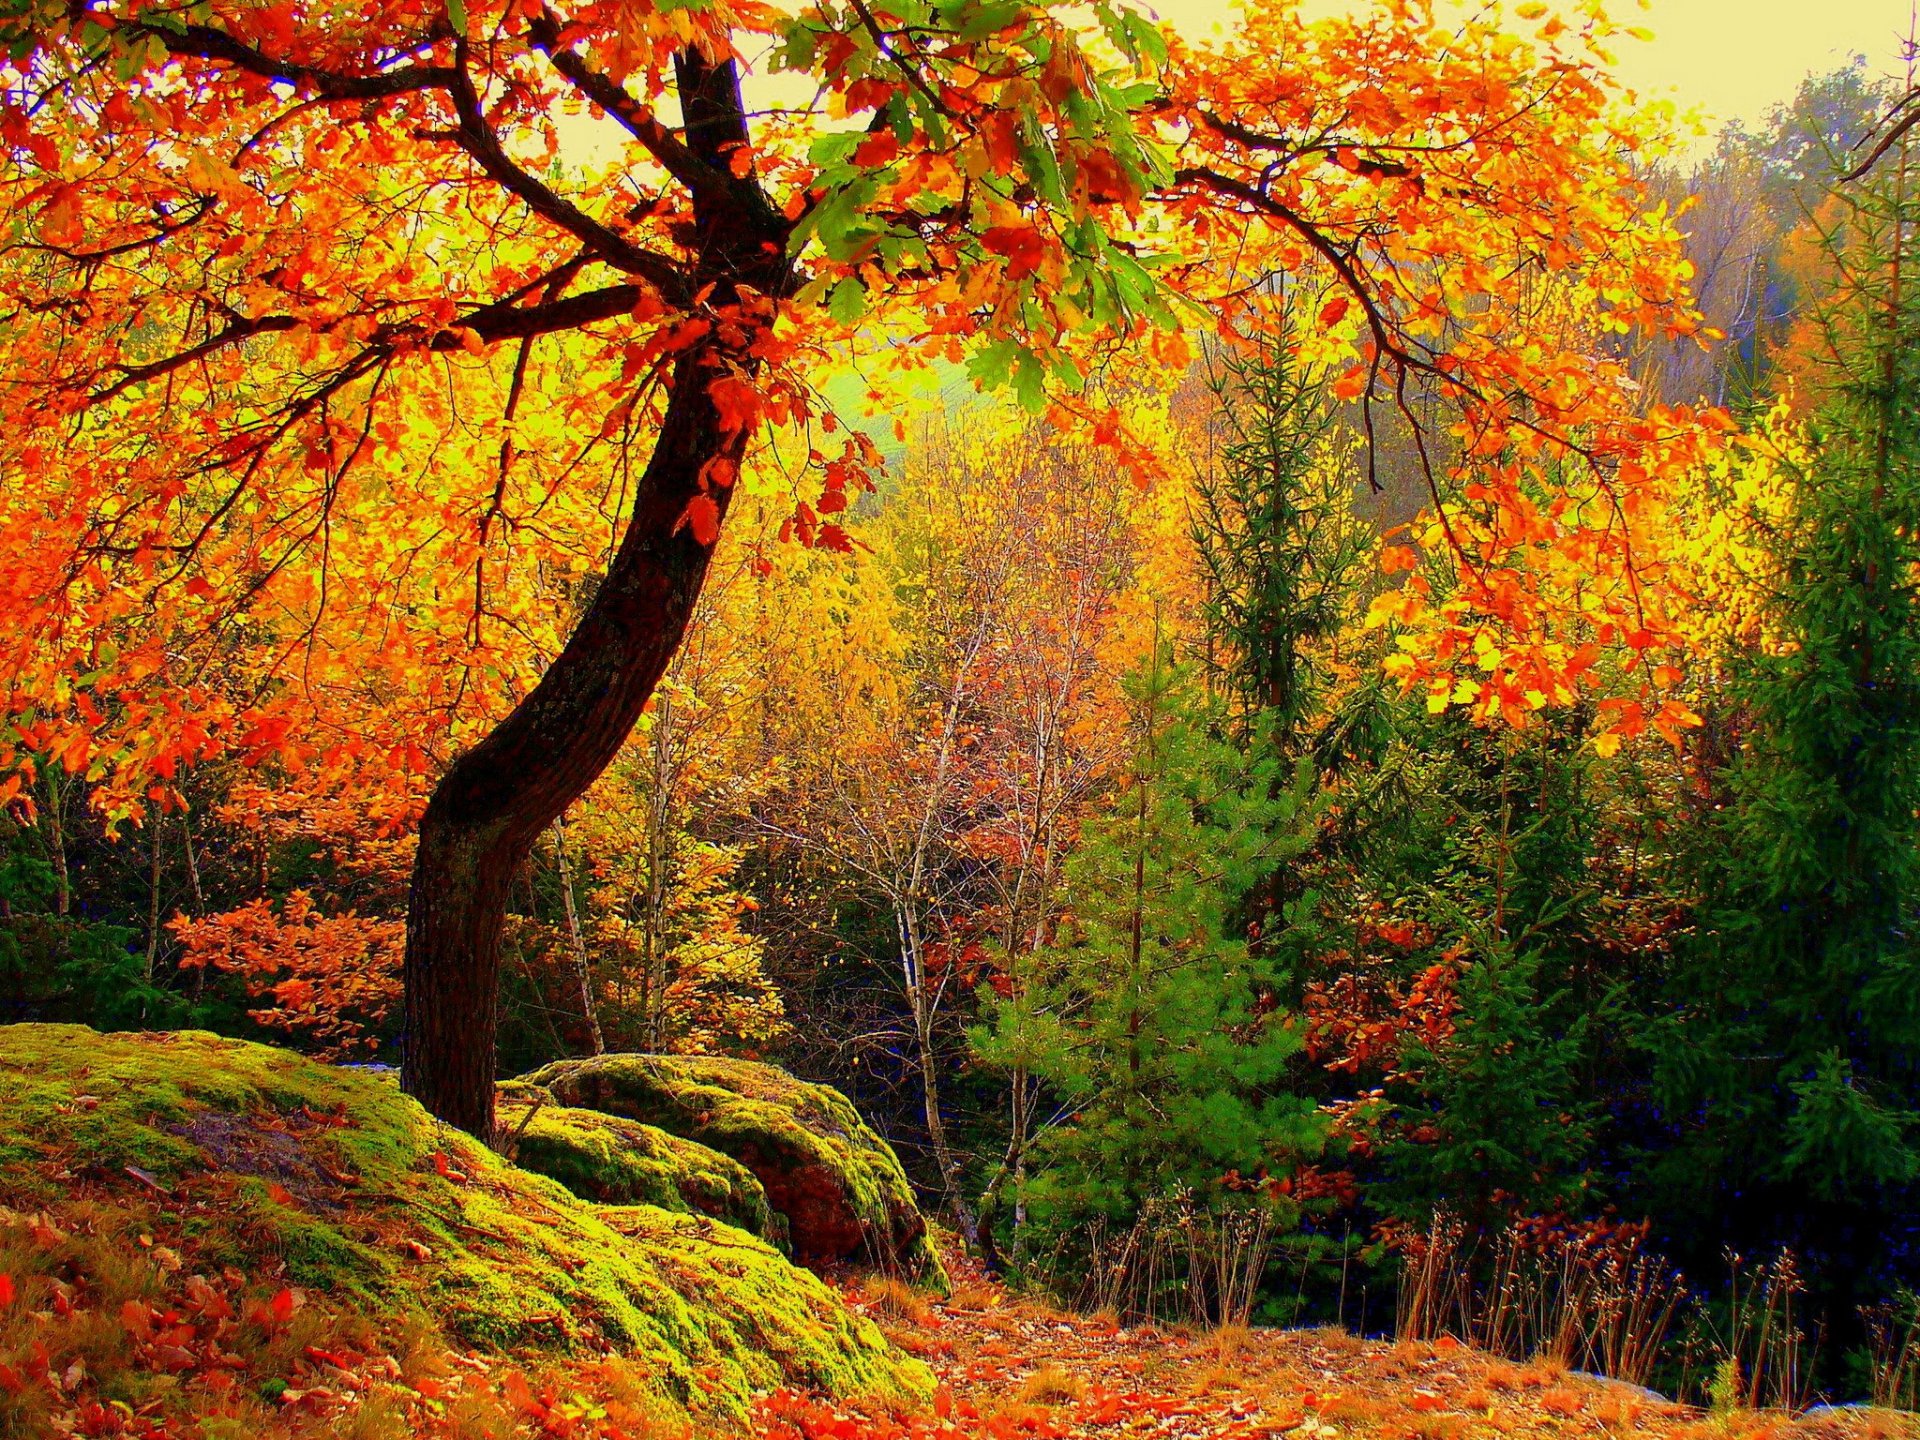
(247, 1156)
(838, 1184)
(615, 1161)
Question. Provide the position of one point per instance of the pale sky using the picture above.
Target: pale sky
(1734, 59)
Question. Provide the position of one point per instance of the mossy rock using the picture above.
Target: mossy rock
(249, 1156)
(839, 1185)
(615, 1161)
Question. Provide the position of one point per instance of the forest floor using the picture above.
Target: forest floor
(1011, 1369)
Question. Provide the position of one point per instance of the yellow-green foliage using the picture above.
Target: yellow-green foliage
(253, 1157)
(616, 1161)
(839, 1185)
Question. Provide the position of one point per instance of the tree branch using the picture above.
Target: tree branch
(477, 138)
(666, 147)
(209, 43)
(502, 320)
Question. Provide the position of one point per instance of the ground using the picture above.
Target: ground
(1011, 1369)
(202, 1239)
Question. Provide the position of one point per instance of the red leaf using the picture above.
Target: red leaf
(283, 1305)
(1021, 244)
(6, 1289)
(1334, 311)
(702, 517)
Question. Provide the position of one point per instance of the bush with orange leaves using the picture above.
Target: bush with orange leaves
(331, 980)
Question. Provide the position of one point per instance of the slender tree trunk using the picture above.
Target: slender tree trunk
(199, 895)
(920, 1002)
(57, 844)
(153, 894)
(582, 966)
(660, 861)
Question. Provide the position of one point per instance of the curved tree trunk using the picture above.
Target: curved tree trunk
(495, 800)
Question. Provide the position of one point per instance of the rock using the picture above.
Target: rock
(251, 1157)
(838, 1184)
(615, 1161)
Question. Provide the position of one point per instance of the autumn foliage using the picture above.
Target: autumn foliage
(1174, 612)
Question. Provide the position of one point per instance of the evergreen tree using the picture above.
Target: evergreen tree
(1789, 1073)
(1276, 532)
(1154, 1018)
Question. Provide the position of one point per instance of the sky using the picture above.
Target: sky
(1734, 59)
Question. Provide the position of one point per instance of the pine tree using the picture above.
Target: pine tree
(1153, 1019)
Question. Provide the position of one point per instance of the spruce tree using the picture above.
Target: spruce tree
(1790, 1074)
(1275, 530)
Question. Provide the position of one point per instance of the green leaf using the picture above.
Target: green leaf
(457, 13)
(990, 19)
(1030, 382)
(1041, 166)
(900, 117)
(992, 364)
(1146, 35)
(848, 301)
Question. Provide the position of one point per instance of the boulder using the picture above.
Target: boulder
(838, 1184)
(244, 1159)
(615, 1161)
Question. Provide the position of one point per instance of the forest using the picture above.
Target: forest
(952, 718)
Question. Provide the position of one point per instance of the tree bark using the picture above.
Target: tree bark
(57, 844)
(495, 800)
(498, 797)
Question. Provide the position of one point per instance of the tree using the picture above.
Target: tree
(320, 309)
(1790, 1070)
(1275, 528)
(1152, 1021)
(254, 239)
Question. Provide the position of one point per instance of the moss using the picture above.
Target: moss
(616, 1161)
(839, 1185)
(271, 1163)
(803, 1329)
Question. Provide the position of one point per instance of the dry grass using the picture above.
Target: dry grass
(895, 1299)
(1562, 1400)
(1430, 1427)
(976, 1295)
(1230, 1342)
(1050, 1385)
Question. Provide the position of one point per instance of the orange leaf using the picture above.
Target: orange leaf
(62, 223)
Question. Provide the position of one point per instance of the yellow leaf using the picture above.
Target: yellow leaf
(211, 175)
(1384, 610)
